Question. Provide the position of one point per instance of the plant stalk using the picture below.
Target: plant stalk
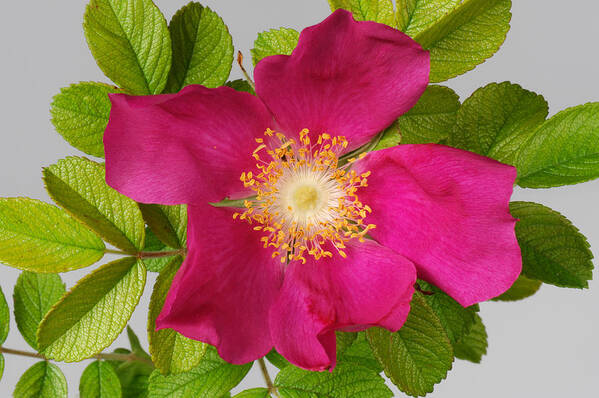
(269, 384)
(102, 355)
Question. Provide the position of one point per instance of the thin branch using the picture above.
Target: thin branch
(245, 73)
(160, 254)
(271, 387)
(106, 356)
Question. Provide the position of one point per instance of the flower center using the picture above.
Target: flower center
(305, 203)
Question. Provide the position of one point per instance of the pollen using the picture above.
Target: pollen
(305, 204)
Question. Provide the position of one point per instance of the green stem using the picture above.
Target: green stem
(271, 387)
(105, 356)
(245, 73)
(148, 254)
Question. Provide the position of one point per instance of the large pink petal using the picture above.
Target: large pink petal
(447, 210)
(345, 78)
(372, 287)
(225, 288)
(189, 147)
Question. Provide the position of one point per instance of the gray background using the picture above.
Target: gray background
(545, 346)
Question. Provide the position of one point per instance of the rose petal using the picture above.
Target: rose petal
(225, 288)
(344, 78)
(189, 147)
(447, 210)
(373, 286)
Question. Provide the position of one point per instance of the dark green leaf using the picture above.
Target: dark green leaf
(497, 119)
(42, 380)
(33, 296)
(213, 377)
(419, 355)
(241, 85)
(78, 185)
(93, 313)
(523, 287)
(553, 250)
(136, 347)
(473, 346)
(130, 42)
(563, 151)
(133, 376)
(169, 223)
(360, 353)
(277, 359)
(80, 114)
(432, 119)
(171, 351)
(99, 380)
(465, 37)
(153, 244)
(39, 237)
(274, 42)
(202, 48)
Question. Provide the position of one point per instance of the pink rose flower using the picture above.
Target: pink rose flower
(318, 247)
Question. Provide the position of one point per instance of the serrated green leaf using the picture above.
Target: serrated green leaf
(78, 185)
(153, 244)
(274, 42)
(4, 318)
(456, 319)
(344, 340)
(99, 380)
(136, 347)
(563, 151)
(497, 119)
(34, 295)
(523, 287)
(39, 237)
(169, 223)
(130, 42)
(360, 353)
(473, 346)
(553, 250)
(390, 137)
(465, 37)
(419, 355)
(414, 16)
(93, 313)
(133, 375)
(42, 380)
(241, 85)
(80, 114)
(211, 378)
(368, 10)
(432, 119)
(171, 351)
(1, 366)
(345, 381)
(253, 393)
(202, 48)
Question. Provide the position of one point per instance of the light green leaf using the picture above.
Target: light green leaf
(39, 237)
(34, 295)
(169, 223)
(344, 340)
(473, 346)
(563, 151)
(213, 377)
(78, 185)
(1, 366)
(497, 119)
(360, 353)
(553, 250)
(42, 380)
(523, 287)
(4, 318)
(202, 48)
(345, 381)
(136, 347)
(241, 85)
(432, 119)
(368, 10)
(253, 393)
(130, 42)
(465, 37)
(414, 16)
(419, 355)
(277, 359)
(99, 380)
(274, 42)
(153, 244)
(93, 313)
(80, 114)
(456, 319)
(171, 351)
